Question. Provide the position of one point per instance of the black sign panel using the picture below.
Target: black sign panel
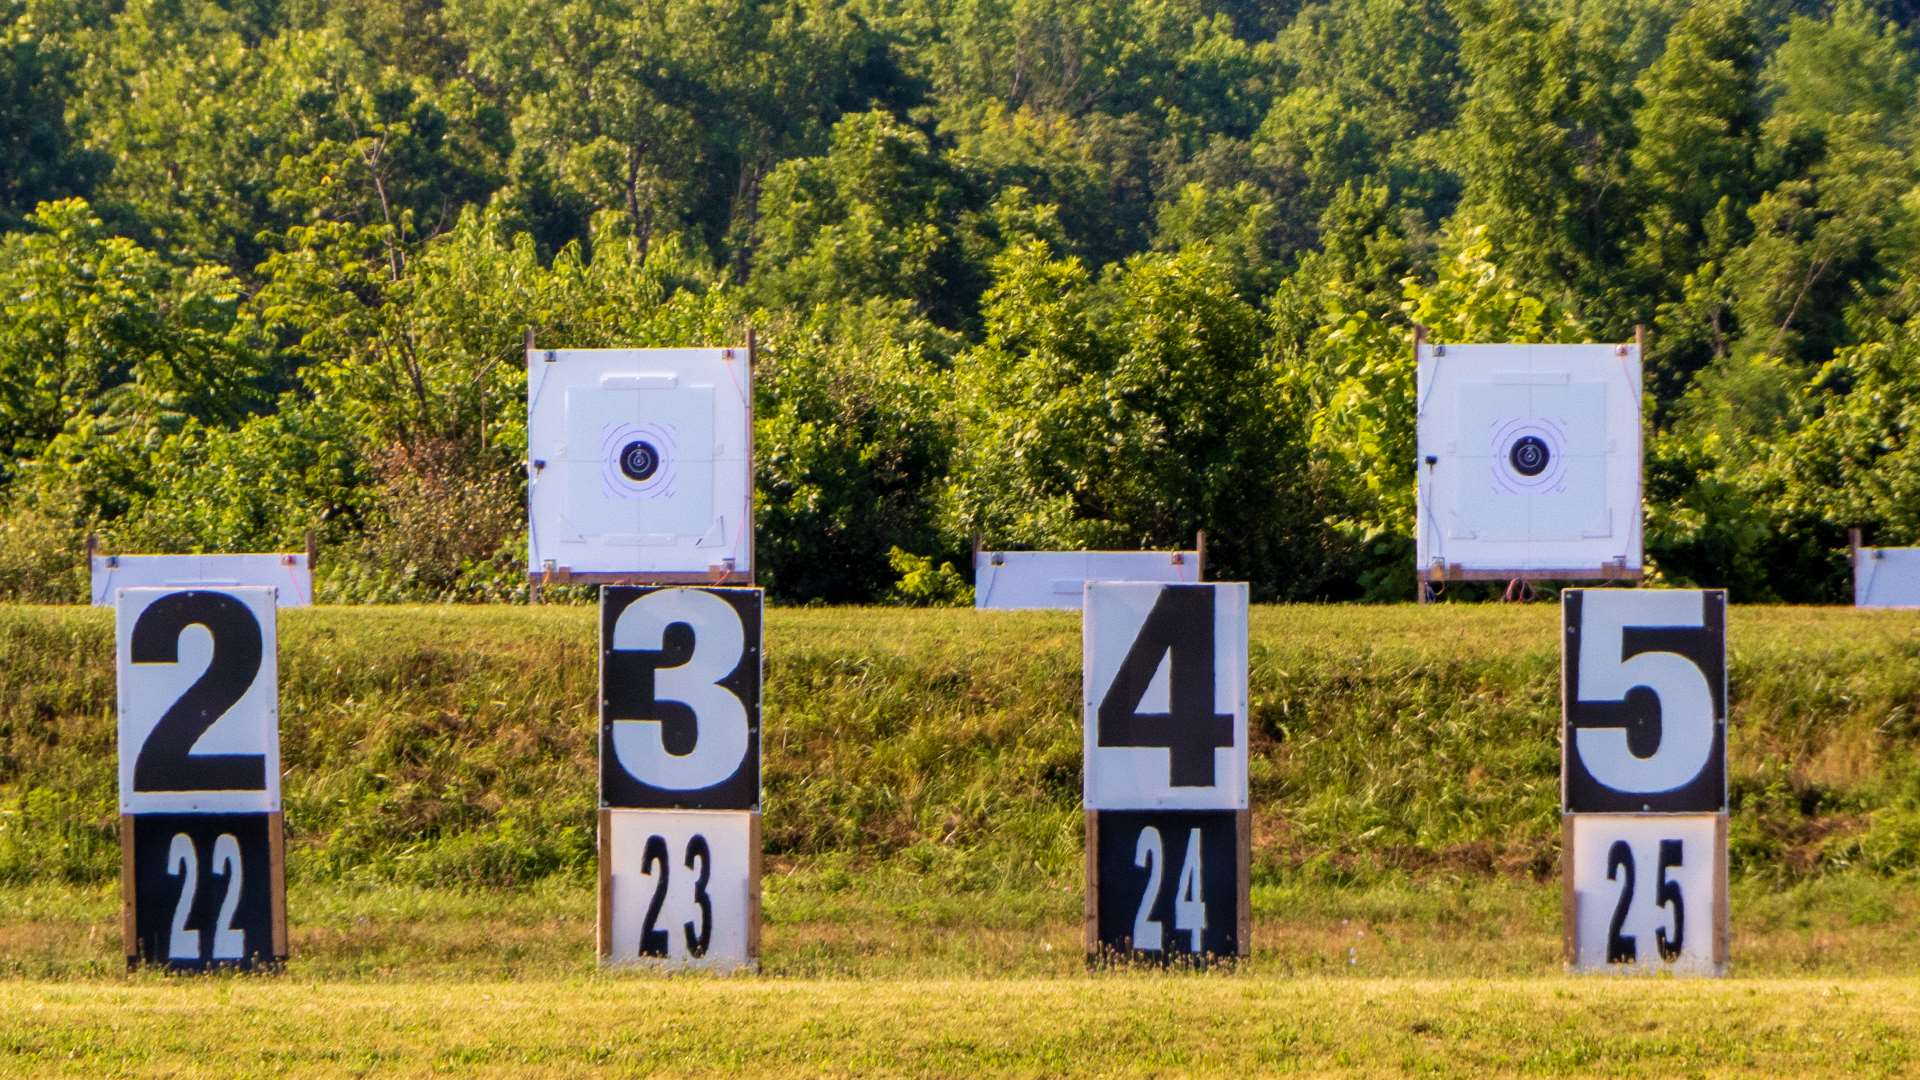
(1169, 884)
(680, 698)
(1645, 707)
(205, 890)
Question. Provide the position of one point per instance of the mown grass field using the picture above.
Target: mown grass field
(923, 831)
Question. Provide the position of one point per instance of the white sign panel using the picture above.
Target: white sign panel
(1649, 893)
(1012, 580)
(1645, 701)
(290, 574)
(639, 461)
(682, 888)
(199, 700)
(1529, 459)
(1886, 577)
(1165, 684)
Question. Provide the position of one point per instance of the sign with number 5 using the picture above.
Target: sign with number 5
(1645, 686)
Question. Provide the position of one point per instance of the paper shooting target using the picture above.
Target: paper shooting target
(1529, 460)
(639, 464)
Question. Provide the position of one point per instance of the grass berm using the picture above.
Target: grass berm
(923, 828)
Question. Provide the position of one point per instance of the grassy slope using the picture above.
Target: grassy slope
(922, 813)
(453, 746)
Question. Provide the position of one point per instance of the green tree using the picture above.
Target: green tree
(104, 348)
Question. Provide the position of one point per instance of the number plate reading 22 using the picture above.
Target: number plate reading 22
(205, 889)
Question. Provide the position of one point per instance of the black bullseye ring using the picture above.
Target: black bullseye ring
(1529, 455)
(639, 460)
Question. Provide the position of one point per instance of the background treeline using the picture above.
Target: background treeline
(1057, 272)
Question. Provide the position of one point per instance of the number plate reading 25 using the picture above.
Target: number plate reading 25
(1649, 892)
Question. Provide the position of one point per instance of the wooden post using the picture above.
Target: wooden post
(1090, 909)
(1200, 555)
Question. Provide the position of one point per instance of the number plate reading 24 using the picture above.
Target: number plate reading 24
(1169, 883)
(199, 729)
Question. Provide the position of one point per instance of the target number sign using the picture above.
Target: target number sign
(203, 868)
(680, 888)
(1645, 686)
(1165, 683)
(1169, 884)
(1165, 718)
(1648, 892)
(680, 698)
(680, 672)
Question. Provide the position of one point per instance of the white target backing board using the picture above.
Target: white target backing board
(680, 888)
(1886, 577)
(198, 676)
(1018, 580)
(291, 574)
(640, 465)
(1165, 696)
(1529, 461)
(1646, 893)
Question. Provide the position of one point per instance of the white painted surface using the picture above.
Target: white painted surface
(1479, 508)
(691, 409)
(1141, 777)
(288, 573)
(1013, 580)
(728, 834)
(1886, 577)
(147, 691)
(1597, 897)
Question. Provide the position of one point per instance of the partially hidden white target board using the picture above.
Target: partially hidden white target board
(203, 866)
(1644, 780)
(1529, 461)
(1886, 577)
(1165, 724)
(289, 574)
(1019, 580)
(640, 465)
(680, 675)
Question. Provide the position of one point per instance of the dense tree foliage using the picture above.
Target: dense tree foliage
(1050, 272)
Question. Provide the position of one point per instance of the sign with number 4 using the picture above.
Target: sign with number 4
(1168, 829)
(203, 867)
(1165, 673)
